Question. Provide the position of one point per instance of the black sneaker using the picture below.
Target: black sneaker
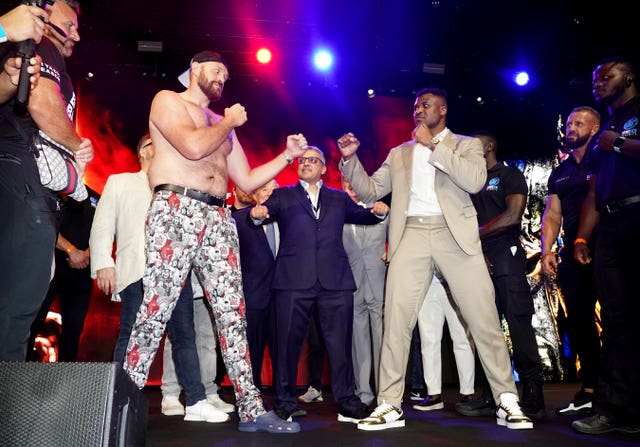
(581, 405)
(477, 407)
(429, 403)
(533, 400)
(598, 424)
(418, 394)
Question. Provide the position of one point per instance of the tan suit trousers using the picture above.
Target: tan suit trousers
(427, 242)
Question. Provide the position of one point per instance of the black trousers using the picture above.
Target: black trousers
(294, 310)
(514, 301)
(28, 231)
(577, 284)
(73, 287)
(616, 265)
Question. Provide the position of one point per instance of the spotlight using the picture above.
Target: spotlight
(371, 93)
(323, 60)
(263, 55)
(521, 78)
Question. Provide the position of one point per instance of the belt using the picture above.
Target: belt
(193, 193)
(613, 206)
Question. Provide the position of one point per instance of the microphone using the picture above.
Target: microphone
(26, 50)
(57, 29)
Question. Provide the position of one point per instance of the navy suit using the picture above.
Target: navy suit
(258, 266)
(313, 273)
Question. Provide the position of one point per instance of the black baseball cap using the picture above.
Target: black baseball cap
(203, 56)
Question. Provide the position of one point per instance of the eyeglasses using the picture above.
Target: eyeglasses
(312, 160)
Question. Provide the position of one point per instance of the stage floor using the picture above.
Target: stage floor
(320, 427)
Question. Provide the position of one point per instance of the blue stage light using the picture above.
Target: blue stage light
(323, 60)
(521, 78)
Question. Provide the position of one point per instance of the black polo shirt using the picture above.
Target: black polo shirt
(570, 182)
(618, 176)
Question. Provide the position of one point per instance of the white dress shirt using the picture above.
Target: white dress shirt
(422, 198)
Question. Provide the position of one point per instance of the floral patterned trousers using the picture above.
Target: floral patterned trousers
(184, 234)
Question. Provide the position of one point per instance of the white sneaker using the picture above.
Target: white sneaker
(384, 416)
(509, 414)
(171, 406)
(204, 411)
(312, 395)
(220, 404)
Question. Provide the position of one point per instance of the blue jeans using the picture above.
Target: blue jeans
(206, 348)
(131, 298)
(180, 330)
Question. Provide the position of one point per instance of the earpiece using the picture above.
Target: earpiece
(628, 80)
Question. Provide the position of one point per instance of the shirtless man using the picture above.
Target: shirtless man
(189, 227)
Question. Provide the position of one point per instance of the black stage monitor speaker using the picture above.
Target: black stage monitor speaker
(70, 405)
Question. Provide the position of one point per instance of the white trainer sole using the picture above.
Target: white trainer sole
(376, 427)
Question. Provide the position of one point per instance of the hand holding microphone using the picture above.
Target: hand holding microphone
(26, 50)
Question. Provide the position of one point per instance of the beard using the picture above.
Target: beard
(210, 90)
(580, 141)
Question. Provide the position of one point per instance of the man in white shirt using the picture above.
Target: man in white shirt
(432, 224)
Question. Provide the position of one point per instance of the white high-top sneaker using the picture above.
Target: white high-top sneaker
(509, 414)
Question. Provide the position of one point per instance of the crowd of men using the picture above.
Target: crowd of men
(455, 210)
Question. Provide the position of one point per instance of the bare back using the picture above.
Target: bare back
(172, 122)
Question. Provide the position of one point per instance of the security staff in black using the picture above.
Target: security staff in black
(500, 205)
(613, 202)
(568, 185)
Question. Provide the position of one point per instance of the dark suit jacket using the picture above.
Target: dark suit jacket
(256, 261)
(311, 249)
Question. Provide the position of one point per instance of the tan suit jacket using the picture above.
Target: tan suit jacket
(460, 171)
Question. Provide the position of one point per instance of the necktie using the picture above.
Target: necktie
(271, 238)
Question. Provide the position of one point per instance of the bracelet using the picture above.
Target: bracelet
(580, 240)
(548, 253)
(287, 157)
(70, 248)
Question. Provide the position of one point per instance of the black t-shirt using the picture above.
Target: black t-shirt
(618, 176)
(53, 67)
(76, 219)
(570, 182)
(502, 181)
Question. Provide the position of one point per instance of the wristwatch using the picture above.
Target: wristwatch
(617, 144)
(287, 157)
(433, 142)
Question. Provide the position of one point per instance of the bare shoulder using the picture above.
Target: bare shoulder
(165, 97)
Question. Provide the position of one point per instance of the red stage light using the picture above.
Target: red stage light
(263, 55)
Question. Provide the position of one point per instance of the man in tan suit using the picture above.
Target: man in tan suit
(433, 224)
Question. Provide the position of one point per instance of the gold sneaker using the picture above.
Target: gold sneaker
(509, 414)
(384, 416)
